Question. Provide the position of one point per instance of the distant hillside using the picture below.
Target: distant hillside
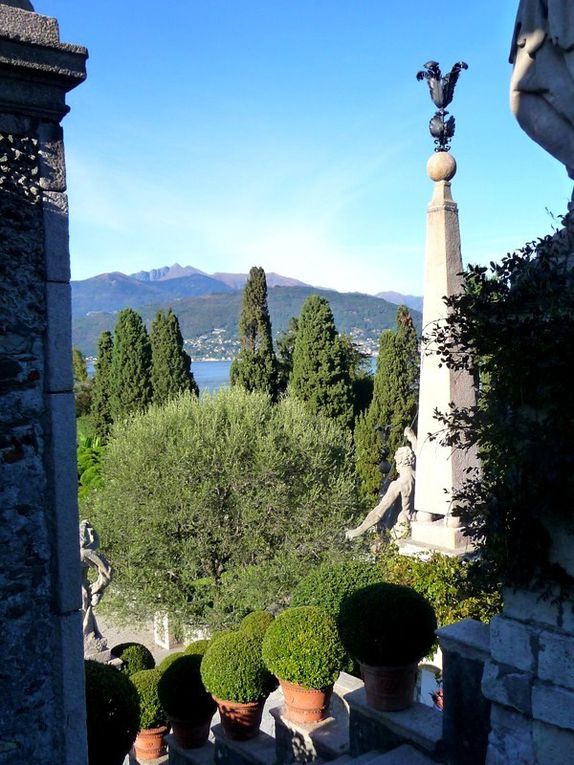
(411, 301)
(209, 322)
(112, 292)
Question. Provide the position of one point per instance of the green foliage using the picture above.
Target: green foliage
(512, 327)
(112, 712)
(134, 656)
(168, 660)
(82, 384)
(387, 625)
(130, 380)
(152, 714)
(255, 368)
(171, 366)
(212, 488)
(233, 669)
(285, 344)
(394, 403)
(302, 646)
(257, 623)
(89, 454)
(197, 648)
(101, 409)
(457, 589)
(321, 375)
(328, 585)
(181, 690)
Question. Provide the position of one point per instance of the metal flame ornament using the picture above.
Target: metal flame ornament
(442, 92)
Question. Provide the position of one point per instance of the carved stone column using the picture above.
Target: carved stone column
(43, 717)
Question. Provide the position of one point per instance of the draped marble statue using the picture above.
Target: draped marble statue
(542, 83)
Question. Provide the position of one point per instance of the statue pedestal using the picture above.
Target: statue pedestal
(435, 536)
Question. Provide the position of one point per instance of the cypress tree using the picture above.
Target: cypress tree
(255, 367)
(171, 366)
(79, 367)
(321, 375)
(130, 388)
(394, 403)
(101, 406)
(82, 383)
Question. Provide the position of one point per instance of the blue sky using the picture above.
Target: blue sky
(291, 134)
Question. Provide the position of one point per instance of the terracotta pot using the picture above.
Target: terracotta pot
(305, 705)
(240, 721)
(191, 734)
(389, 689)
(150, 744)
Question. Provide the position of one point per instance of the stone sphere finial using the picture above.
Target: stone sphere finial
(441, 166)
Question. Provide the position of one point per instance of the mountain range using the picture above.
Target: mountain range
(208, 307)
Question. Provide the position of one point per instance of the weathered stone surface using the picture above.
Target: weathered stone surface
(552, 745)
(204, 755)
(18, 23)
(507, 686)
(529, 606)
(59, 374)
(51, 157)
(370, 729)
(466, 716)
(556, 659)
(56, 236)
(62, 483)
(257, 751)
(510, 741)
(513, 643)
(553, 705)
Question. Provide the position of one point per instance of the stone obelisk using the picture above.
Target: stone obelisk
(440, 469)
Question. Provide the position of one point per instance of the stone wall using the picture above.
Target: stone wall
(530, 682)
(42, 718)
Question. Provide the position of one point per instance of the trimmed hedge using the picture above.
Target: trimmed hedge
(328, 585)
(257, 623)
(168, 660)
(387, 625)
(134, 656)
(197, 648)
(303, 646)
(181, 690)
(112, 710)
(233, 669)
(152, 714)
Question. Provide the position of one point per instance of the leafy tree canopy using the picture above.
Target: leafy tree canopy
(225, 502)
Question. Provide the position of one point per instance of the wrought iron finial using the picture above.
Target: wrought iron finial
(441, 91)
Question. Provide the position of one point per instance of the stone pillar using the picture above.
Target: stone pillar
(465, 648)
(43, 709)
(530, 681)
(439, 469)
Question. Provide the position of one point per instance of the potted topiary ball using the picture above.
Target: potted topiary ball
(234, 673)
(388, 628)
(189, 707)
(134, 656)
(302, 647)
(149, 743)
(257, 623)
(112, 714)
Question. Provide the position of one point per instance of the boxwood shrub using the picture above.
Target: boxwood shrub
(257, 623)
(134, 656)
(168, 660)
(181, 690)
(233, 669)
(303, 646)
(152, 714)
(112, 711)
(387, 625)
(329, 584)
(197, 648)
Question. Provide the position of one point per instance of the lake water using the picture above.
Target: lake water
(211, 375)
